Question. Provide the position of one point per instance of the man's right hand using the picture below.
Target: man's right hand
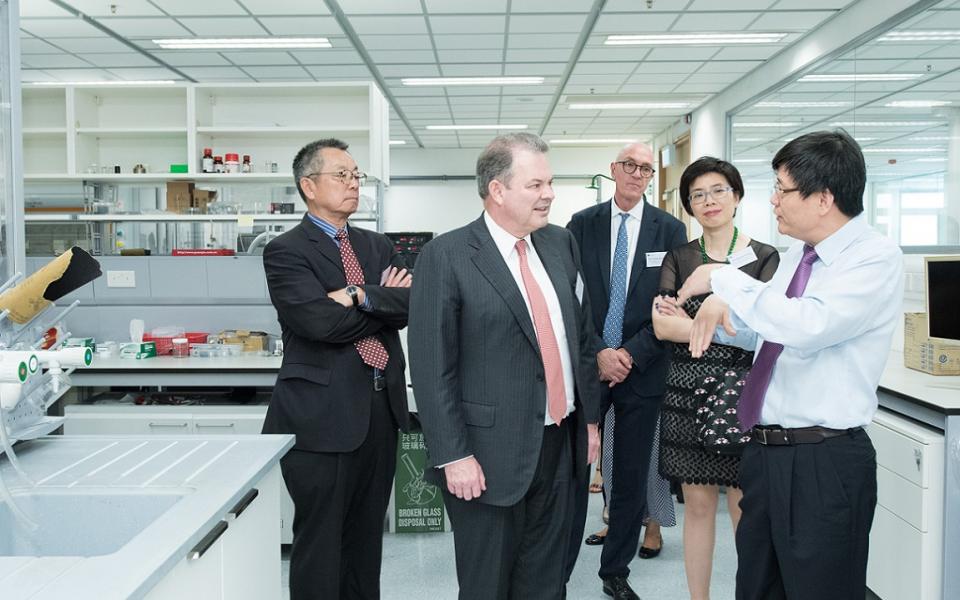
(465, 479)
(614, 366)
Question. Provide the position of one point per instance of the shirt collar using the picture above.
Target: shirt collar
(830, 248)
(325, 226)
(636, 212)
(503, 239)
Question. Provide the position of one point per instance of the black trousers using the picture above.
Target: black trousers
(636, 422)
(807, 512)
(340, 501)
(518, 552)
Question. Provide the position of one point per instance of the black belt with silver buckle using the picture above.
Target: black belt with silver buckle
(779, 436)
(379, 383)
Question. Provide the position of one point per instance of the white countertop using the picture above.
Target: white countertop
(218, 469)
(940, 392)
(191, 363)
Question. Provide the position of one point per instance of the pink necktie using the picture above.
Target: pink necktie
(758, 380)
(549, 351)
(370, 348)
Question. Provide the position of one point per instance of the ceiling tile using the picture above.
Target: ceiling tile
(731, 4)
(100, 8)
(396, 42)
(385, 25)
(58, 28)
(224, 26)
(61, 61)
(791, 21)
(594, 78)
(267, 57)
(335, 72)
(591, 89)
(487, 41)
(327, 57)
(77, 74)
(285, 7)
(583, 68)
(654, 78)
(471, 70)
(41, 9)
(181, 8)
(813, 4)
(556, 68)
(714, 21)
(302, 25)
(423, 70)
(634, 22)
(403, 56)
(729, 66)
(474, 24)
(147, 28)
(658, 6)
(625, 53)
(542, 40)
(100, 44)
(33, 75)
(124, 59)
(215, 73)
(669, 66)
(459, 6)
(521, 6)
(191, 59)
(143, 73)
(37, 46)
(551, 23)
(382, 7)
(683, 53)
(747, 53)
(546, 55)
(468, 56)
(286, 73)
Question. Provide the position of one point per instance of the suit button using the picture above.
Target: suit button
(539, 376)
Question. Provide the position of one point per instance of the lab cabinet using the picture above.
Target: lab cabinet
(908, 525)
(238, 558)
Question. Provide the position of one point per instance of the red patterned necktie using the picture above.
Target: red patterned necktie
(758, 380)
(549, 350)
(370, 348)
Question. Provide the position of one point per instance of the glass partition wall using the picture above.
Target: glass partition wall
(899, 96)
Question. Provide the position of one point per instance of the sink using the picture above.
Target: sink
(81, 522)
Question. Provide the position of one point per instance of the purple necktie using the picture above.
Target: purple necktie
(751, 400)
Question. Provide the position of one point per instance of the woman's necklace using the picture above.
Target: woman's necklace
(703, 247)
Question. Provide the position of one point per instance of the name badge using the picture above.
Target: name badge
(655, 259)
(579, 289)
(743, 257)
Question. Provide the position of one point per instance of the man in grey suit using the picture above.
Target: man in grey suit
(505, 378)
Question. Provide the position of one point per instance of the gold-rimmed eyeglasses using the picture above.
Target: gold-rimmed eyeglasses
(629, 167)
(344, 176)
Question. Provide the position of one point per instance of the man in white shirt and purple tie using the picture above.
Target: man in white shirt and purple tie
(821, 329)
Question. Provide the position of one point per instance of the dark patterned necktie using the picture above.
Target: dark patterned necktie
(751, 400)
(371, 349)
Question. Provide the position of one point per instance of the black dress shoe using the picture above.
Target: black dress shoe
(650, 552)
(594, 540)
(619, 588)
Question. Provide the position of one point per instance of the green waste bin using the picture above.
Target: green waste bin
(418, 504)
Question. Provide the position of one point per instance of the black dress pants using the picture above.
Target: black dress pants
(340, 500)
(518, 552)
(807, 512)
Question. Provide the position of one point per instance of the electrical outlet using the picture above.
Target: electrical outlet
(121, 279)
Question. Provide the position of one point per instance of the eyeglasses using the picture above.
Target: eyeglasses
(345, 177)
(629, 167)
(781, 192)
(718, 193)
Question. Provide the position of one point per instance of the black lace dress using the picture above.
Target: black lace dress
(682, 458)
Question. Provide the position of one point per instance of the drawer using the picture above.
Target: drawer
(907, 449)
(142, 424)
(227, 424)
(916, 556)
(912, 503)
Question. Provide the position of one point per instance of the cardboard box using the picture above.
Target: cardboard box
(180, 196)
(138, 351)
(922, 353)
(253, 341)
(201, 198)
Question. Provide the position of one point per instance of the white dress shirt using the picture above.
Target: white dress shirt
(633, 231)
(506, 244)
(836, 336)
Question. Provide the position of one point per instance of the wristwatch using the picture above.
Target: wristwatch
(354, 293)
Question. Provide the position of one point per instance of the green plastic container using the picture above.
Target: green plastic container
(178, 168)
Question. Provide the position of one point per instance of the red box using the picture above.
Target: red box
(165, 344)
(203, 252)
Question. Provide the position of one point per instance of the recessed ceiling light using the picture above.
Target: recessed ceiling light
(932, 159)
(749, 139)
(834, 77)
(751, 160)
(628, 105)
(397, 142)
(472, 80)
(592, 141)
(240, 43)
(901, 150)
(141, 82)
(916, 103)
(765, 124)
(468, 127)
(920, 36)
(885, 123)
(827, 104)
(930, 138)
(702, 39)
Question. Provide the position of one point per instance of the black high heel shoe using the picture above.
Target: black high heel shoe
(650, 552)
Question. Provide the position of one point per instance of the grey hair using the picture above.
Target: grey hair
(496, 160)
(310, 160)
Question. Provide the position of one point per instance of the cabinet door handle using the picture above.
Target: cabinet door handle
(215, 425)
(208, 540)
(177, 425)
(244, 503)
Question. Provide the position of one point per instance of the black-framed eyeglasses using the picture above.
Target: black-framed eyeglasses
(344, 176)
(718, 193)
(629, 167)
(780, 191)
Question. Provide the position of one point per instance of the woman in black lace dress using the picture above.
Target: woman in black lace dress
(710, 190)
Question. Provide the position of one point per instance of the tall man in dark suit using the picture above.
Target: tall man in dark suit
(505, 378)
(341, 388)
(622, 243)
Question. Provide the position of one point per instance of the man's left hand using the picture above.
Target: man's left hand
(713, 313)
(593, 442)
(697, 283)
(394, 277)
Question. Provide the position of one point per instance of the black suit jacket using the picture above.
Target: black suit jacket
(323, 390)
(659, 232)
(475, 360)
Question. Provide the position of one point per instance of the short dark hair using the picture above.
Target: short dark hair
(496, 160)
(702, 166)
(309, 160)
(826, 160)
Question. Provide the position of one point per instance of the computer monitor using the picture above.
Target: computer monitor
(942, 275)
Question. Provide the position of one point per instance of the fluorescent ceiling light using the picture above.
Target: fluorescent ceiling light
(800, 104)
(901, 150)
(238, 43)
(932, 159)
(921, 36)
(751, 160)
(472, 80)
(765, 124)
(397, 142)
(930, 138)
(916, 103)
(468, 127)
(701, 39)
(141, 82)
(626, 105)
(833, 77)
(748, 139)
(592, 141)
(885, 124)
(864, 139)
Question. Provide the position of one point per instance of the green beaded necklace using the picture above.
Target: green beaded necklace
(703, 247)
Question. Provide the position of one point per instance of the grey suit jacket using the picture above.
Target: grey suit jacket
(475, 362)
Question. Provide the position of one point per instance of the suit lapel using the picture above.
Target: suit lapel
(491, 265)
(649, 224)
(601, 237)
(327, 247)
(552, 258)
